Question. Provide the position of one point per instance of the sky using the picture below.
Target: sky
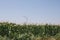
(30, 11)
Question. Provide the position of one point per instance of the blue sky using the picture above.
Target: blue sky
(36, 11)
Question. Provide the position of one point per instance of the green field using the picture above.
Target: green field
(12, 31)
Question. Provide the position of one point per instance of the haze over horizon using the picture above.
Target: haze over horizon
(30, 11)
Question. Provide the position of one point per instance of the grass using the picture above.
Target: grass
(12, 31)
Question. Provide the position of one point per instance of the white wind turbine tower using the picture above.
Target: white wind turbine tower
(26, 18)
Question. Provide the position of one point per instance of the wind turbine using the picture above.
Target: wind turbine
(26, 18)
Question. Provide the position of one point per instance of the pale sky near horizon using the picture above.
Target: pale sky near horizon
(37, 11)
